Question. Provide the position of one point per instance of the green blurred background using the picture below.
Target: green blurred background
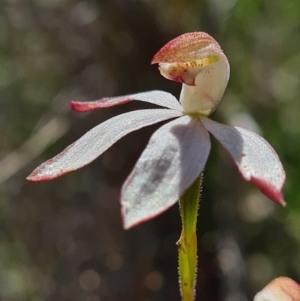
(63, 240)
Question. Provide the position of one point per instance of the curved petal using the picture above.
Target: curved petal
(280, 289)
(175, 155)
(156, 97)
(98, 140)
(255, 158)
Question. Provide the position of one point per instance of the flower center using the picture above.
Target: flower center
(210, 82)
(186, 72)
(197, 61)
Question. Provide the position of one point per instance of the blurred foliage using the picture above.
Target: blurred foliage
(63, 240)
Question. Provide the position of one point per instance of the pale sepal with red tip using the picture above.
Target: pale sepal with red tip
(174, 157)
(98, 140)
(255, 158)
(156, 97)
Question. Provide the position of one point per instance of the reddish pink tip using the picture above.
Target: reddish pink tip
(80, 106)
(269, 190)
(39, 174)
(89, 106)
(38, 178)
(280, 289)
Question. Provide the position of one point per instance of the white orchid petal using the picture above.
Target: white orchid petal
(98, 140)
(156, 97)
(280, 289)
(255, 158)
(175, 155)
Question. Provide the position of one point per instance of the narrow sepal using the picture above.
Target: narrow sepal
(98, 140)
(174, 157)
(156, 97)
(255, 158)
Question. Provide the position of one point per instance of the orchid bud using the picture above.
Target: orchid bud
(280, 289)
(197, 61)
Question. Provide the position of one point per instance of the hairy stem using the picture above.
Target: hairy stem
(187, 243)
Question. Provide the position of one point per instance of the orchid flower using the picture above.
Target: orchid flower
(177, 152)
(171, 165)
(280, 289)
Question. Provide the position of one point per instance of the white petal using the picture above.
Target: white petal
(280, 289)
(175, 155)
(156, 97)
(255, 158)
(97, 141)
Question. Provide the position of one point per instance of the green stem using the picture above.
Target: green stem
(187, 244)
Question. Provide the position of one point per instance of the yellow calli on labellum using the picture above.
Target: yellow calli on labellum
(177, 152)
(197, 61)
